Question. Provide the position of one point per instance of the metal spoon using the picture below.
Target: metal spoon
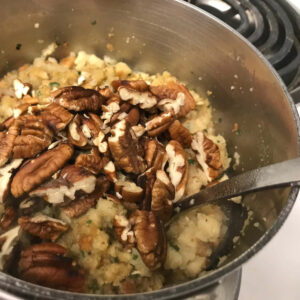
(286, 173)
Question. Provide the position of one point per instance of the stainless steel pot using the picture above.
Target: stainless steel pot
(159, 35)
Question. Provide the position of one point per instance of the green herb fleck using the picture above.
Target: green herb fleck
(135, 257)
(175, 247)
(205, 130)
(238, 132)
(114, 259)
(136, 275)
(18, 46)
(57, 43)
(39, 93)
(220, 120)
(218, 141)
(94, 22)
(94, 286)
(88, 221)
(79, 72)
(54, 84)
(191, 161)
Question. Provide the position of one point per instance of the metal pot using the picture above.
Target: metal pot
(159, 35)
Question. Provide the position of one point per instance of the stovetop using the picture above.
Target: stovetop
(273, 27)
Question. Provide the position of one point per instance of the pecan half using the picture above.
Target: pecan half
(7, 141)
(150, 238)
(77, 98)
(106, 92)
(208, 155)
(125, 149)
(38, 170)
(6, 176)
(129, 191)
(163, 193)
(178, 168)
(34, 137)
(8, 217)
(92, 162)
(123, 230)
(47, 265)
(84, 203)
(174, 96)
(136, 92)
(181, 134)
(43, 226)
(155, 154)
(56, 117)
(159, 123)
(71, 180)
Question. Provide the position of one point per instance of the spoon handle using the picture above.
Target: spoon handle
(286, 173)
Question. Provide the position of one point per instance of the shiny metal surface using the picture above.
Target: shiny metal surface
(158, 35)
(276, 175)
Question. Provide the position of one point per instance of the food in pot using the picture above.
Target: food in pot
(93, 156)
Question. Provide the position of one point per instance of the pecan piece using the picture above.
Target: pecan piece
(159, 123)
(163, 193)
(7, 141)
(77, 98)
(47, 265)
(138, 85)
(34, 137)
(174, 96)
(43, 226)
(110, 170)
(56, 117)
(72, 179)
(129, 191)
(208, 155)
(92, 162)
(150, 238)
(125, 149)
(155, 154)
(75, 134)
(178, 168)
(8, 241)
(123, 230)
(38, 170)
(84, 203)
(8, 217)
(6, 176)
(181, 134)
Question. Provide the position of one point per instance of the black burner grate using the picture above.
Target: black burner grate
(273, 26)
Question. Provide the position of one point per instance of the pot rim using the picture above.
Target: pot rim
(22, 288)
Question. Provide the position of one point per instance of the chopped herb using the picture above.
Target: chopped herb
(114, 259)
(88, 221)
(57, 43)
(18, 46)
(205, 130)
(39, 93)
(94, 286)
(79, 72)
(175, 247)
(220, 120)
(191, 161)
(238, 132)
(136, 275)
(218, 141)
(54, 84)
(94, 22)
(135, 257)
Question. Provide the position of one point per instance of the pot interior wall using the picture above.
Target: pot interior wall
(154, 36)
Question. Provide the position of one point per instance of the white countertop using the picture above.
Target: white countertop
(274, 273)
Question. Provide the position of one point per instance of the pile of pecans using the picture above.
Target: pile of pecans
(124, 142)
